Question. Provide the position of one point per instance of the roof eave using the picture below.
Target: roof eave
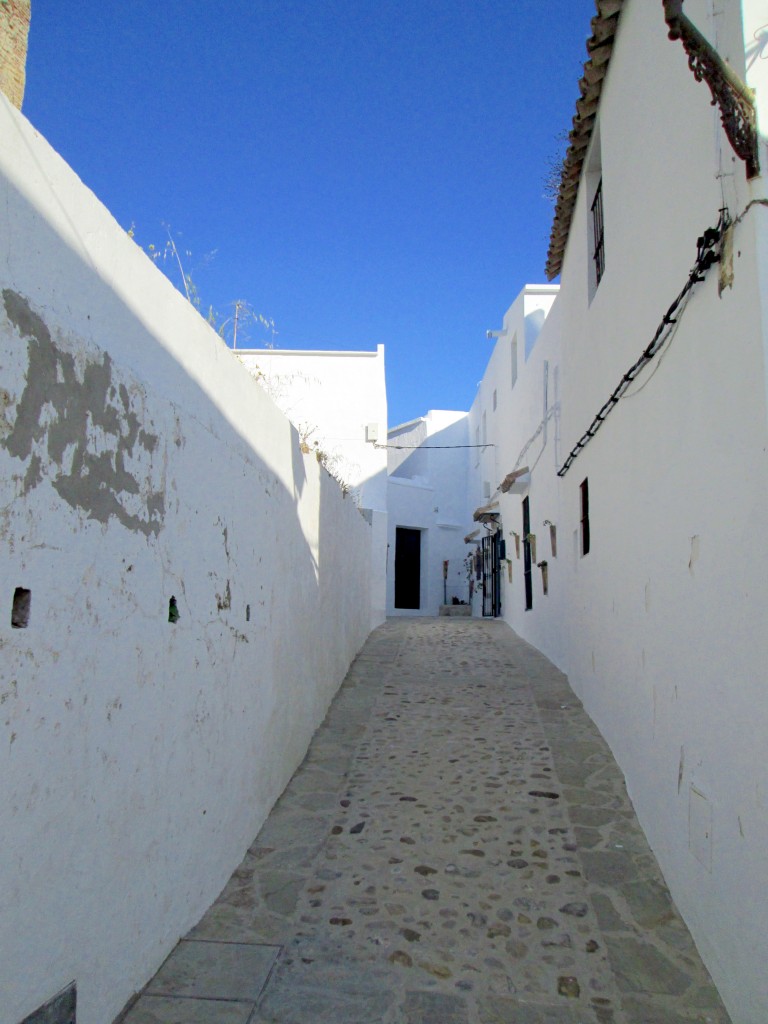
(599, 48)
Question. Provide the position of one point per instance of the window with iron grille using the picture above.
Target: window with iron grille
(598, 252)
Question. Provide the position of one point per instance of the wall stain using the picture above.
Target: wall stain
(226, 600)
(96, 481)
(11, 693)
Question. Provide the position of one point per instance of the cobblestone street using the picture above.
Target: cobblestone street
(457, 848)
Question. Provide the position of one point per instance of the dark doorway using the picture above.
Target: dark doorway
(491, 545)
(527, 572)
(407, 568)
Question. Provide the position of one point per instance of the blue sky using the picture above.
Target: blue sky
(366, 172)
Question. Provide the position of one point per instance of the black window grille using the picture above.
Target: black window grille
(598, 254)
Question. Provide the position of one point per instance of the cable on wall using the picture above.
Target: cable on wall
(430, 447)
(707, 255)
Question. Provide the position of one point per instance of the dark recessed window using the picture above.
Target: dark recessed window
(595, 230)
(584, 492)
(598, 239)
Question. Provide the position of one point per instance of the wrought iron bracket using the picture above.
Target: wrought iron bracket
(734, 98)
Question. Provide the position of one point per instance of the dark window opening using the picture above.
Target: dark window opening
(585, 539)
(598, 252)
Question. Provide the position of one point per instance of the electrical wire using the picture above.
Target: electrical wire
(430, 447)
(706, 257)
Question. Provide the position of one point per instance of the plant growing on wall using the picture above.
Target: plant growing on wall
(553, 175)
(243, 318)
(330, 461)
(175, 261)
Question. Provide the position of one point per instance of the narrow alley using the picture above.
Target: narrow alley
(457, 848)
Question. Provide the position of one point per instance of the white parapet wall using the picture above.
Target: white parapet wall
(338, 402)
(143, 473)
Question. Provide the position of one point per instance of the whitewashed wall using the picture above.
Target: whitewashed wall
(661, 626)
(428, 491)
(666, 640)
(515, 411)
(140, 461)
(338, 402)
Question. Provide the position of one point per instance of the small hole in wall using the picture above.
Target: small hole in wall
(22, 602)
(173, 610)
(247, 613)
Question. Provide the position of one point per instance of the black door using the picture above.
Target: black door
(527, 555)
(407, 568)
(491, 545)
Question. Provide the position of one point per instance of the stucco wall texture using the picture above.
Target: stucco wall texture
(140, 463)
(14, 32)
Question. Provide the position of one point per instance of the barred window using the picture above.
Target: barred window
(598, 240)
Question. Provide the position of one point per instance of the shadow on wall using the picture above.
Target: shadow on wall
(534, 321)
(143, 748)
(414, 461)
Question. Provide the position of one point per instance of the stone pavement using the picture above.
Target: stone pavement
(457, 848)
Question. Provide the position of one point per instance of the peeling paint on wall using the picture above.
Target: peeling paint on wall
(70, 427)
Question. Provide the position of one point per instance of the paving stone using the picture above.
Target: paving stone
(434, 1008)
(640, 967)
(649, 902)
(325, 993)
(498, 1010)
(458, 845)
(280, 891)
(657, 1010)
(214, 970)
(608, 867)
(607, 917)
(164, 1010)
(226, 923)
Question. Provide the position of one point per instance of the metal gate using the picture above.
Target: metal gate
(491, 551)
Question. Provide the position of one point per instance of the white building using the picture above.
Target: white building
(338, 403)
(513, 419)
(178, 605)
(641, 417)
(428, 507)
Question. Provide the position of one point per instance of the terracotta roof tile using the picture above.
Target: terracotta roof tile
(599, 48)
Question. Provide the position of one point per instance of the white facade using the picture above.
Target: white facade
(338, 403)
(516, 414)
(661, 625)
(428, 489)
(140, 462)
